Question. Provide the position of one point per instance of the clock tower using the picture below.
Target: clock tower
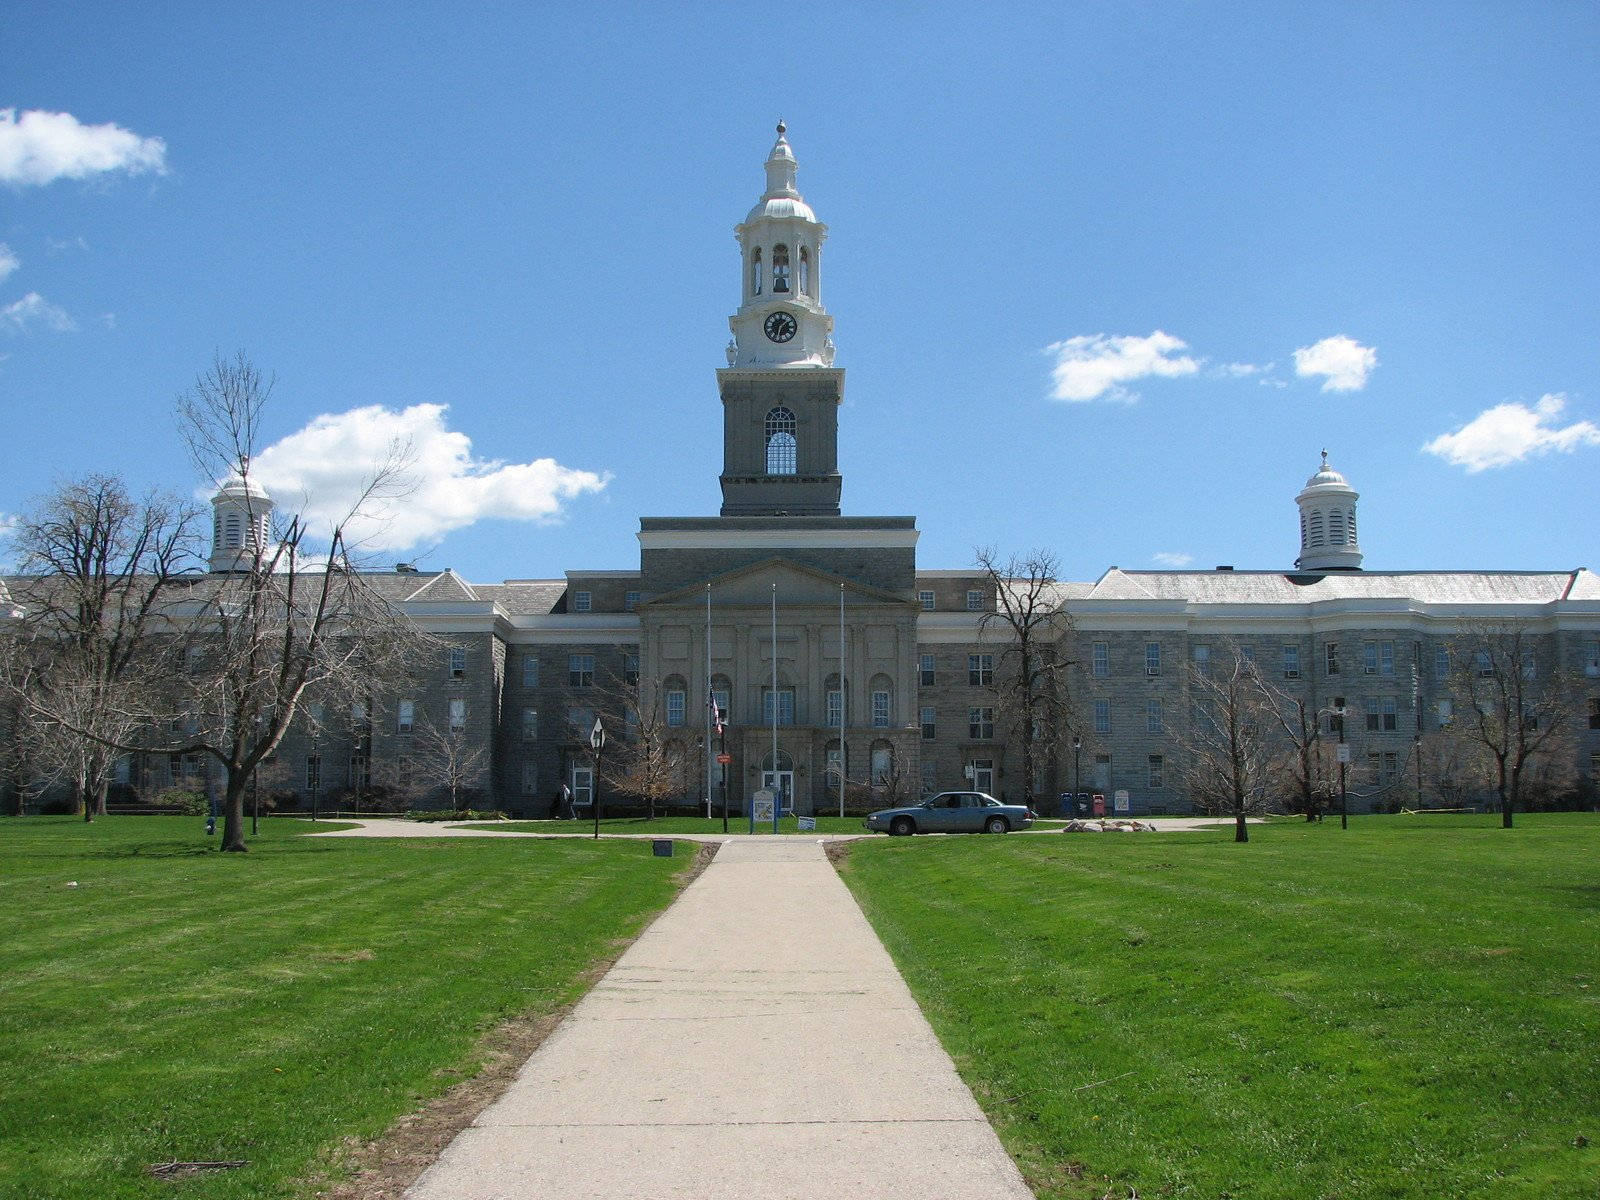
(780, 390)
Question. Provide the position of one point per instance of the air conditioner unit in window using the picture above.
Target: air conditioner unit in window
(1369, 670)
(1291, 674)
(1152, 670)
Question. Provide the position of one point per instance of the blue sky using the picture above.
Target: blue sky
(1073, 252)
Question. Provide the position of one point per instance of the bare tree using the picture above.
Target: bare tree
(1308, 763)
(295, 618)
(1230, 751)
(1516, 705)
(444, 759)
(99, 569)
(640, 759)
(1031, 672)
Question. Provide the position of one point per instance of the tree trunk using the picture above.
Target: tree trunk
(1505, 798)
(233, 815)
(1241, 831)
(80, 796)
(100, 794)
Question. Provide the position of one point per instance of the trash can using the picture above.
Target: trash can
(1099, 805)
(1066, 806)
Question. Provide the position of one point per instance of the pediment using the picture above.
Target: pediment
(797, 585)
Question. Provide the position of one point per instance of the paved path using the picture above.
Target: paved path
(756, 1043)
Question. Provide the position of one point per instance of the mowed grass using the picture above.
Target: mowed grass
(1407, 1009)
(669, 826)
(182, 1004)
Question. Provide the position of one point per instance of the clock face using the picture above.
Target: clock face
(779, 327)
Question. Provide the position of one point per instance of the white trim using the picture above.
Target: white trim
(777, 539)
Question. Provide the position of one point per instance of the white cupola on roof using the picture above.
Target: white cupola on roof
(781, 321)
(1328, 522)
(241, 522)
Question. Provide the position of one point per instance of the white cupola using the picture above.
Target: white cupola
(781, 321)
(241, 523)
(1328, 523)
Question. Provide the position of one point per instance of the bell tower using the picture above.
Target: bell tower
(780, 389)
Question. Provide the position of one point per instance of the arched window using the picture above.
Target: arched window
(805, 271)
(235, 532)
(780, 268)
(785, 762)
(1336, 527)
(1316, 528)
(882, 763)
(780, 442)
(755, 270)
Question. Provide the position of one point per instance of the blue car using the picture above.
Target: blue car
(952, 812)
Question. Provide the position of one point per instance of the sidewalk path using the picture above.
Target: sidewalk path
(755, 1043)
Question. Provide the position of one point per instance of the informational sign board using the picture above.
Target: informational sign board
(1344, 753)
(807, 824)
(724, 759)
(1119, 800)
(761, 804)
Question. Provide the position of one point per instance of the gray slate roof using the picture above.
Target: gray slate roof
(1277, 587)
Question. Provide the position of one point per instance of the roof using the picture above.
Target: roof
(1280, 587)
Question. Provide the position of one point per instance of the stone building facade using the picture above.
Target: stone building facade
(766, 606)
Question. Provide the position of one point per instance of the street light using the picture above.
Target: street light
(597, 739)
(1416, 741)
(1077, 783)
(1344, 757)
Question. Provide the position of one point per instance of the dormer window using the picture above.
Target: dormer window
(805, 271)
(780, 429)
(755, 270)
(780, 268)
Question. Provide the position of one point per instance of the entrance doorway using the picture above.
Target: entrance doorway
(582, 787)
(983, 775)
(783, 783)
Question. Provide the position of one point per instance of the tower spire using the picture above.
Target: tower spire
(1328, 522)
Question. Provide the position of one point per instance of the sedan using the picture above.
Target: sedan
(952, 812)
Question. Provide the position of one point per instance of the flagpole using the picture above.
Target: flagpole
(710, 702)
(777, 800)
(841, 702)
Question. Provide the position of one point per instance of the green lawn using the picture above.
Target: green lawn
(184, 1004)
(668, 826)
(1407, 1009)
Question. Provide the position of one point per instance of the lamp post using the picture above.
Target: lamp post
(1077, 783)
(1344, 757)
(1416, 742)
(597, 739)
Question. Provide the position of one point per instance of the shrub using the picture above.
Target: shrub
(190, 804)
(460, 814)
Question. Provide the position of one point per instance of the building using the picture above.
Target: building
(821, 638)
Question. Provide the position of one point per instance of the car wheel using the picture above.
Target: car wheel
(902, 826)
(997, 825)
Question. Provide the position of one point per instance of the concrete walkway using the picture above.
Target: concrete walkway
(756, 1043)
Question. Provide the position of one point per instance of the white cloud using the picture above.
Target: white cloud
(1240, 370)
(1509, 433)
(1343, 362)
(1172, 558)
(9, 262)
(322, 468)
(32, 311)
(1094, 365)
(40, 147)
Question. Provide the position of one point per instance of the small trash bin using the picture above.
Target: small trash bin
(1099, 805)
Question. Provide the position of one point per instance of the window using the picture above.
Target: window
(1485, 664)
(580, 670)
(630, 670)
(925, 671)
(1369, 658)
(1291, 662)
(834, 715)
(1330, 658)
(1152, 717)
(1382, 715)
(405, 716)
(1152, 658)
(1248, 653)
(530, 724)
(805, 272)
(1202, 659)
(926, 600)
(882, 764)
(358, 715)
(781, 454)
(980, 723)
(360, 771)
(1591, 659)
(530, 670)
(930, 777)
(929, 725)
(720, 695)
(1372, 714)
(1157, 770)
(1382, 766)
(980, 670)
(880, 710)
(974, 601)
(458, 715)
(194, 660)
(458, 662)
(313, 772)
(676, 702)
(1102, 772)
(1102, 716)
(402, 771)
(580, 721)
(530, 779)
(1594, 712)
(582, 601)
(1100, 656)
(785, 706)
(1444, 710)
(755, 270)
(1386, 658)
(1529, 665)
(780, 268)
(1441, 662)
(630, 601)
